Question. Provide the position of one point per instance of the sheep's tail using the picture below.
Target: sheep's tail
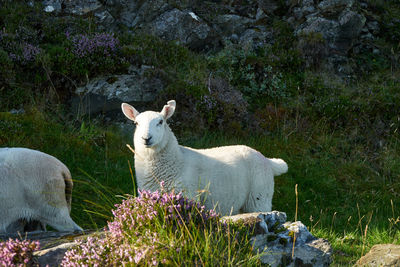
(68, 187)
(279, 166)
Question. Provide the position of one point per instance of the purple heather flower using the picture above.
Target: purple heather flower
(84, 45)
(17, 252)
(129, 238)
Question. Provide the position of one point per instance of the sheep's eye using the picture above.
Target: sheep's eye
(160, 122)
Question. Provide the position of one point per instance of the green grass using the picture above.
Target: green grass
(345, 195)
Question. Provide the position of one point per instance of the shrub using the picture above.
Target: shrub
(162, 228)
(17, 252)
(250, 72)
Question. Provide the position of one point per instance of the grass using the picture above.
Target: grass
(344, 196)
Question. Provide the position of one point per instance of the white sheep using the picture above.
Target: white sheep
(235, 178)
(35, 190)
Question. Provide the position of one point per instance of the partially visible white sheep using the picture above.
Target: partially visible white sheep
(35, 190)
(236, 178)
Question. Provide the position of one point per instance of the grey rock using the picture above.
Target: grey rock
(350, 24)
(252, 220)
(52, 5)
(275, 242)
(334, 6)
(139, 13)
(104, 17)
(268, 6)
(185, 27)
(53, 257)
(328, 28)
(233, 24)
(81, 7)
(256, 37)
(105, 94)
(300, 232)
(381, 255)
(373, 26)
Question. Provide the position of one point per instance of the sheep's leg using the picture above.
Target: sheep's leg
(16, 226)
(34, 225)
(262, 191)
(62, 222)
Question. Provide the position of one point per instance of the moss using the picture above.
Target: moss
(271, 238)
(279, 230)
(283, 241)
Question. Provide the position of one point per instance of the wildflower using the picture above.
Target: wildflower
(17, 252)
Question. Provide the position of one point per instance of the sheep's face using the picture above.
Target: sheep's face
(150, 125)
(150, 128)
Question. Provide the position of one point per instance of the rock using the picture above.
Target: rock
(373, 26)
(81, 7)
(233, 24)
(350, 25)
(255, 38)
(381, 255)
(105, 94)
(255, 221)
(185, 27)
(52, 6)
(274, 238)
(140, 13)
(53, 256)
(339, 33)
(268, 6)
(331, 7)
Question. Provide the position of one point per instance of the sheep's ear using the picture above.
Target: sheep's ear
(129, 111)
(168, 109)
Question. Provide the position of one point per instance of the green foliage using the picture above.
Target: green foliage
(249, 71)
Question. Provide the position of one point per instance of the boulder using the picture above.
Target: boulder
(105, 94)
(284, 243)
(185, 27)
(381, 255)
(81, 7)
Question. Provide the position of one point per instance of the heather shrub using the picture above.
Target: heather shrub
(17, 252)
(88, 55)
(250, 72)
(163, 228)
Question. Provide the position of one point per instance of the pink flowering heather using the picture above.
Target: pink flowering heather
(17, 252)
(133, 237)
(85, 45)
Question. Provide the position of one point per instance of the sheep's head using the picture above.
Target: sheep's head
(150, 125)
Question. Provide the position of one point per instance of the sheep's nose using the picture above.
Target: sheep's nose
(147, 140)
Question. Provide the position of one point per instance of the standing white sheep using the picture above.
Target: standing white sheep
(237, 178)
(35, 190)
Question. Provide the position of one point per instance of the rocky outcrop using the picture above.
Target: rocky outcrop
(284, 243)
(381, 255)
(327, 30)
(185, 27)
(105, 94)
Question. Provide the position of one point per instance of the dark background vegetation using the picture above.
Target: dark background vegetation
(338, 135)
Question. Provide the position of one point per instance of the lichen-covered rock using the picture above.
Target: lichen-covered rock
(381, 255)
(274, 238)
